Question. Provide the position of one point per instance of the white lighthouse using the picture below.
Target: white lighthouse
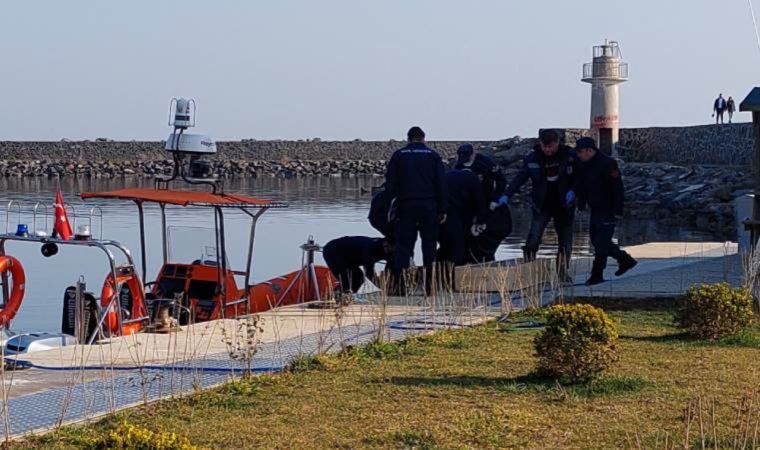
(605, 73)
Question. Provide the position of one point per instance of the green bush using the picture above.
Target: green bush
(577, 344)
(128, 436)
(712, 311)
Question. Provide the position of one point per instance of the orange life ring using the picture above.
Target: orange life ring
(125, 277)
(12, 265)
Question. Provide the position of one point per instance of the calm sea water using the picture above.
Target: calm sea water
(324, 208)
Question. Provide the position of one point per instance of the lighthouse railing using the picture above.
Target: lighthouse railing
(616, 70)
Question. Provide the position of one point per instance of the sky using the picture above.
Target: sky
(351, 69)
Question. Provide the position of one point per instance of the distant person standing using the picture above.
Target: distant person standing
(550, 167)
(731, 108)
(719, 107)
(600, 186)
(415, 179)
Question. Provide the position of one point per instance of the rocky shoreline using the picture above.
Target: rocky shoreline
(224, 169)
(699, 196)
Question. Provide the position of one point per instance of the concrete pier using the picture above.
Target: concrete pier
(82, 383)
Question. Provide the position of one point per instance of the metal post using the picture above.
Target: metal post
(254, 221)
(223, 255)
(163, 231)
(4, 279)
(756, 199)
(142, 241)
(79, 308)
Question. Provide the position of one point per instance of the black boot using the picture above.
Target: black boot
(563, 263)
(528, 255)
(597, 277)
(625, 264)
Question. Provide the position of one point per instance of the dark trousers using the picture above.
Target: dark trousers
(563, 225)
(350, 277)
(453, 249)
(601, 231)
(453, 240)
(415, 216)
(719, 115)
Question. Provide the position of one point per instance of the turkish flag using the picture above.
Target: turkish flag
(61, 227)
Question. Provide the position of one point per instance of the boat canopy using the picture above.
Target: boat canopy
(185, 198)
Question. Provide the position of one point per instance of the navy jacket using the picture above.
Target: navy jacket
(600, 186)
(466, 197)
(355, 251)
(378, 213)
(534, 169)
(416, 172)
(494, 181)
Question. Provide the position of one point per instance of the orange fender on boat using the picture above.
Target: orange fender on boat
(286, 290)
(12, 265)
(132, 298)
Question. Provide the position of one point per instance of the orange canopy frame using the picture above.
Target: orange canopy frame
(185, 198)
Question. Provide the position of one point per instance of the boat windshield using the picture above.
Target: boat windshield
(192, 244)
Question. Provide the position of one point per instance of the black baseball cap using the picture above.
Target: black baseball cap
(585, 142)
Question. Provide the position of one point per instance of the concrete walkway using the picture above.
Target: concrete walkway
(665, 269)
(85, 382)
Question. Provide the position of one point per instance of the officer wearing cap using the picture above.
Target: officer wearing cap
(467, 208)
(465, 155)
(600, 186)
(492, 178)
(415, 179)
(496, 224)
(550, 167)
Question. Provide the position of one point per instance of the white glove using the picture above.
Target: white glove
(493, 206)
(476, 229)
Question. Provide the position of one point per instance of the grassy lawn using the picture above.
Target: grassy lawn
(471, 388)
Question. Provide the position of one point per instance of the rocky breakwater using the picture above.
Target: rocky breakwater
(225, 169)
(104, 158)
(699, 196)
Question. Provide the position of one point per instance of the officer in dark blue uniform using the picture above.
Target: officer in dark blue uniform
(467, 206)
(492, 231)
(415, 179)
(347, 256)
(380, 213)
(600, 186)
(551, 170)
(493, 180)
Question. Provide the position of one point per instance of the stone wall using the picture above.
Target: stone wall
(247, 149)
(706, 144)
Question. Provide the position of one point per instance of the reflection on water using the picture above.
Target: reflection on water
(321, 207)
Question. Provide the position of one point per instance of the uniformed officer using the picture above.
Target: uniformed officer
(415, 179)
(465, 156)
(492, 231)
(600, 186)
(380, 216)
(493, 180)
(467, 206)
(550, 168)
(347, 256)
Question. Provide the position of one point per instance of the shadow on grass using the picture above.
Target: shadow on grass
(746, 339)
(628, 304)
(670, 338)
(533, 383)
